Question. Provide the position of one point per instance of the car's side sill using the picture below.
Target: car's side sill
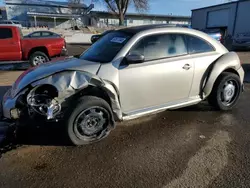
(156, 109)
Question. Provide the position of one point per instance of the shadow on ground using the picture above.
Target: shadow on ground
(14, 66)
(49, 134)
(3, 89)
(246, 68)
(34, 134)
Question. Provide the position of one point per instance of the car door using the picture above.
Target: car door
(10, 49)
(165, 77)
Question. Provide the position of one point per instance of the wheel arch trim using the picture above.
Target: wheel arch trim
(228, 62)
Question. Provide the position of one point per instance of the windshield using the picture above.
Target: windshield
(106, 48)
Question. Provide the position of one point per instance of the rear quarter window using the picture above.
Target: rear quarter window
(5, 33)
(198, 45)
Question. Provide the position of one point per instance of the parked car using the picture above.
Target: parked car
(43, 34)
(215, 33)
(241, 41)
(127, 74)
(13, 47)
(184, 25)
(95, 38)
(11, 22)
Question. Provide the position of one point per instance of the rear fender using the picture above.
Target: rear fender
(229, 60)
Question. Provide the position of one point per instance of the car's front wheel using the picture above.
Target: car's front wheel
(226, 91)
(38, 58)
(89, 121)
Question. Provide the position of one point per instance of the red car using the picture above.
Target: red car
(13, 47)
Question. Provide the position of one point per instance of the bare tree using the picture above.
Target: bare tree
(76, 7)
(120, 7)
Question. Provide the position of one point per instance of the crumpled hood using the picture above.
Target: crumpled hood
(47, 69)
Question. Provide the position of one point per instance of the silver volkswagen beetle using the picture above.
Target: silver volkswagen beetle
(126, 74)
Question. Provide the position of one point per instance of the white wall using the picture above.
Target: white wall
(136, 22)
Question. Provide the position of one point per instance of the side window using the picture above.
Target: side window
(46, 34)
(37, 34)
(5, 33)
(197, 45)
(160, 46)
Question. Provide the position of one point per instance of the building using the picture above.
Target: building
(60, 14)
(100, 18)
(34, 13)
(229, 18)
(3, 15)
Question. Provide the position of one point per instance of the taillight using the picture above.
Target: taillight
(220, 39)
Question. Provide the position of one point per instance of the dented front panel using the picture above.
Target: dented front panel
(45, 70)
(67, 83)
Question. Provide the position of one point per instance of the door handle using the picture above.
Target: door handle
(186, 67)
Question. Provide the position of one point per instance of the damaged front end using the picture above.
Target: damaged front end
(48, 99)
(47, 92)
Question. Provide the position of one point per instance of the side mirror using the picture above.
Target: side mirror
(95, 38)
(135, 58)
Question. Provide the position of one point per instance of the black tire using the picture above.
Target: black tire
(216, 98)
(36, 56)
(81, 136)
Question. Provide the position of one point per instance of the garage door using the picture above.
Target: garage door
(218, 18)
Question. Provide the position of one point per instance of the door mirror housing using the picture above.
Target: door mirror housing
(135, 58)
(95, 38)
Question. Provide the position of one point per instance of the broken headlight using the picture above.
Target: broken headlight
(43, 101)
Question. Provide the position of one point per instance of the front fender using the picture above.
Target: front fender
(229, 60)
(68, 83)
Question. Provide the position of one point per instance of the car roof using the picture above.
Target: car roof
(138, 29)
(8, 25)
(42, 31)
(146, 30)
(151, 29)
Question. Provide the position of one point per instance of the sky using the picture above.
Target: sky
(174, 7)
(1, 2)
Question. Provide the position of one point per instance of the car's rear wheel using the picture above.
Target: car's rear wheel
(226, 91)
(38, 58)
(89, 121)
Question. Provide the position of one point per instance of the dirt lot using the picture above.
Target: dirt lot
(190, 147)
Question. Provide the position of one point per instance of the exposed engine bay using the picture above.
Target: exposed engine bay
(42, 100)
(49, 97)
